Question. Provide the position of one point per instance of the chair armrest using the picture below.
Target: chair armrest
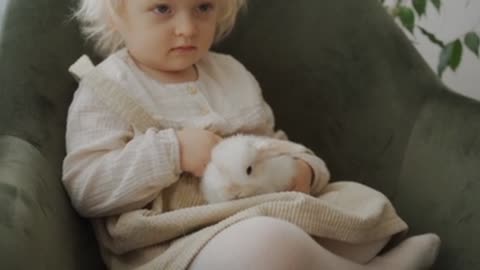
(440, 179)
(38, 228)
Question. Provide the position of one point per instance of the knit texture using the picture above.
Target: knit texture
(168, 232)
(179, 224)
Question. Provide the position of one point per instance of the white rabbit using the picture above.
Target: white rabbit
(247, 165)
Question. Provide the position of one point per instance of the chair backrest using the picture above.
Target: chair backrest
(38, 43)
(39, 229)
(341, 77)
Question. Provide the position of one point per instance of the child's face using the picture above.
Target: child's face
(167, 35)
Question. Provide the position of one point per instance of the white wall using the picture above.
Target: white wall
(455, 18)
(3, 8)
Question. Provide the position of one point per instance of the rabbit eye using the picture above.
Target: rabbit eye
(249, 170)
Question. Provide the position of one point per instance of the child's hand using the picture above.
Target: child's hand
(303, 179)
(195, 149)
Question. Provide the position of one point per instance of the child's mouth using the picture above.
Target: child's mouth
(184, 49)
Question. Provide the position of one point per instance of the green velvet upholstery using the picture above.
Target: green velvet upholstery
(341, 78)
(38, 227)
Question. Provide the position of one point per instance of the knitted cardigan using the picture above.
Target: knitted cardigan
(169, 232)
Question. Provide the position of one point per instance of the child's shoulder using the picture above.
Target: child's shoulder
(220, 57)
(115, 63)
(223, 64)
(116, 67)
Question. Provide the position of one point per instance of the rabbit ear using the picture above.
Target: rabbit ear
(273, 147)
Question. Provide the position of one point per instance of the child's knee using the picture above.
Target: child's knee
(258, 243)
(271, 230)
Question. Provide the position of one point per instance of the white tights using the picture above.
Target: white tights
(264, 243)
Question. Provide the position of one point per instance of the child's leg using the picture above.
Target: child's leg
(417, 252)
(267, 243)
(359, 253)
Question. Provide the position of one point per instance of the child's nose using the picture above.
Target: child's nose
(185, 25)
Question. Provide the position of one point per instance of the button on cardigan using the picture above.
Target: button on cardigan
(111, 168)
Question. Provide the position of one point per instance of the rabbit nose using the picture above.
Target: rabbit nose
(233, 191)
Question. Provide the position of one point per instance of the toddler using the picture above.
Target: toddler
(139, 134)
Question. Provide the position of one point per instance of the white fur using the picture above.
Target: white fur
(226, 177)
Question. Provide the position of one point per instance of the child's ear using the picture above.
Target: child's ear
(112, 24)
(114, 15)
(274, 147)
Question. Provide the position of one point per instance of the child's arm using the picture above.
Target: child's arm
(303, 179)
(313, 174)
(195, 149)
(311, 178)
(109, 169)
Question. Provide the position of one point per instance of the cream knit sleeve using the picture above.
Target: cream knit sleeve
(108, 168)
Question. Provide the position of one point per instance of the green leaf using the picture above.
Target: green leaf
(472, 41)
(450, 56)
(407, 17)
(420, 6)
(437, 4)
(431, 37)
(456, 57)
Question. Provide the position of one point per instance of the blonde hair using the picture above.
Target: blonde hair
(95, 18)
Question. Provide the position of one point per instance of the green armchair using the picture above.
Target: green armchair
(372, 109)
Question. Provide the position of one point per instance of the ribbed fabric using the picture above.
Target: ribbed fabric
(122, 161)
(169, 238)
(122, 150)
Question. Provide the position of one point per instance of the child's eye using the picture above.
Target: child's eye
(162, 9)
(205, 7)
(249, 170)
